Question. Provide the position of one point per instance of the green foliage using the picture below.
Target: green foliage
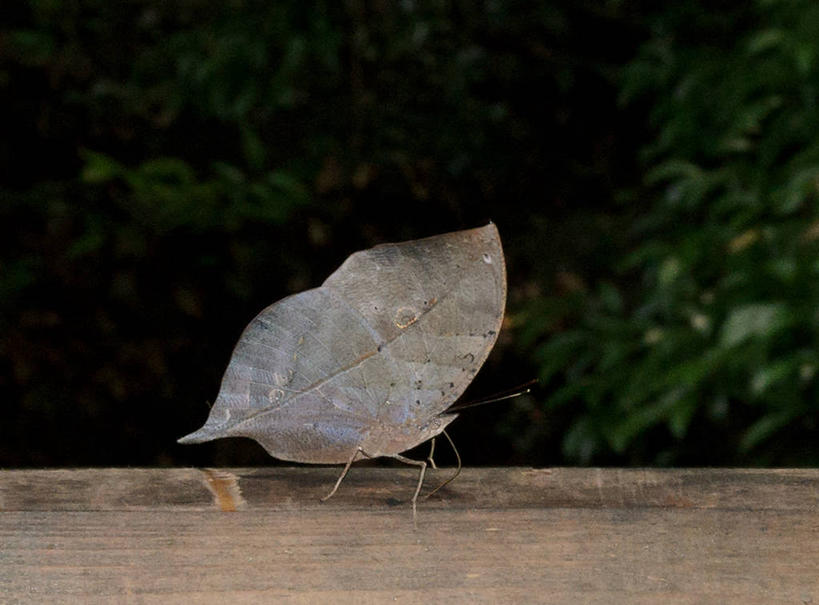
(150, 173)
(712, 321)
(166, 193)
(168, 169)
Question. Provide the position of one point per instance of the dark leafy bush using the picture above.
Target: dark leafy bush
(168, 169)
(702, 345)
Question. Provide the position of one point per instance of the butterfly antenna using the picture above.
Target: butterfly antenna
(517, 391)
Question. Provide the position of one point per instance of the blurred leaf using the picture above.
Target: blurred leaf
(556, 353)
(681, 416)
(610, 298)
(253, 149)
(753, 320)
(99, 168)
(766, 427)
(166, 170)
(673, 169)
(770, 375)
(765, 40)
(16, 276)
(643, 417)
(32, 46)
(581, 442)
(91, 241)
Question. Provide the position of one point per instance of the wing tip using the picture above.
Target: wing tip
(199, 436)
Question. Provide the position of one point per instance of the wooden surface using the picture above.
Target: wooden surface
(493, 536)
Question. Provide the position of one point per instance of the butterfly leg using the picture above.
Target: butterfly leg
(431, 452)
(422, 464)
(457, 470)
(352, 459)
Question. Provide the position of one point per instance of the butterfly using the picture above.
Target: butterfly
(367, 364)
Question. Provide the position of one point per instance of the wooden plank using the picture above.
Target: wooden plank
(494, 535)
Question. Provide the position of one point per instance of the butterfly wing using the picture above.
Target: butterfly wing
(372, 357)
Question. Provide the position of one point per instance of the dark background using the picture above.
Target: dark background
(168, 169)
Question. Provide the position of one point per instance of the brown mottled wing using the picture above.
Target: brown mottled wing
(370, 358)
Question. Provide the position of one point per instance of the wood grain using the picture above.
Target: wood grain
(493, 536)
